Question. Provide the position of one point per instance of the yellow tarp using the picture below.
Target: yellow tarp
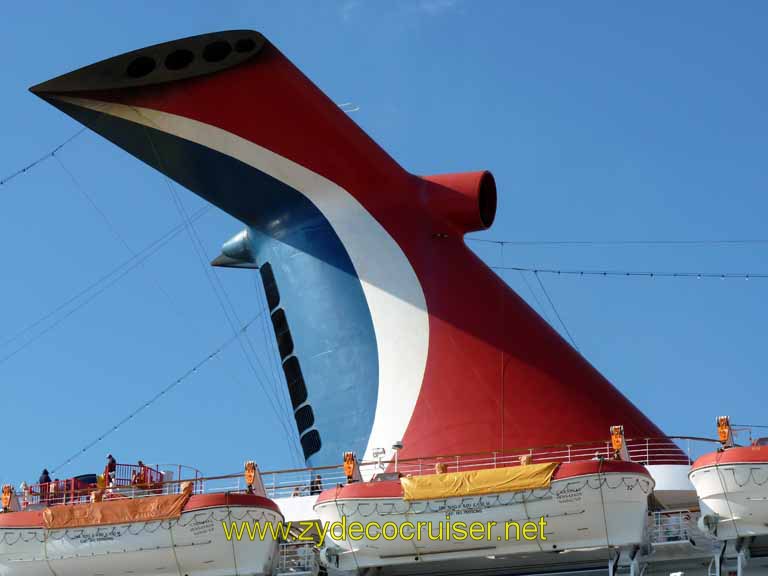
(478, 482)
(119, 511)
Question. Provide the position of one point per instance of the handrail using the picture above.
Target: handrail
(646, 450)
(669, 441)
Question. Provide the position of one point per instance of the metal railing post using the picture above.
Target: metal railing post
(647, 451)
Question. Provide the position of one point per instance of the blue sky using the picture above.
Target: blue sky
(600, 121)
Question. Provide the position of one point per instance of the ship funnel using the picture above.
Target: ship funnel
(385, 331)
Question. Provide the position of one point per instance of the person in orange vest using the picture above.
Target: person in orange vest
(139, 477)
(7, 498)
(349, 466)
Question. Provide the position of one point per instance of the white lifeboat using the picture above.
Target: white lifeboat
(158, 529)
(732, 486)
(581, 505)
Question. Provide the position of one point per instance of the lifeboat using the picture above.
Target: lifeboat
(160, 529)
(732, 487)
(545, 507)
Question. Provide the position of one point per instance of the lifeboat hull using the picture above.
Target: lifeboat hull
(732, 487)
(588, 504)
(193, 544)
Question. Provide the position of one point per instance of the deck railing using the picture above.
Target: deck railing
(130, 480)
(135, 474)
(648, 451)
(310, 481)
(673, 526)
(297, 558)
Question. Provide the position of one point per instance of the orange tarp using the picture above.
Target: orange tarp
(116, 511)
(478, 482)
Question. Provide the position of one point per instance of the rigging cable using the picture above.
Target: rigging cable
(110, 278)
(628, 273)
(222, 297)
(93, 290)
(50, 154)
(115, 232)
(119, 237)
(535, 297)
(721, 242)
(528, 284)
(159, 394)
(560, 319)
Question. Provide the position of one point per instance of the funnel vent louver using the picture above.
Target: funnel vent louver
(305, 418)
(270, 286)
(297, 389)
(310, 443)
(282, 333)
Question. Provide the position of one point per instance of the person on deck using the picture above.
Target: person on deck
(45, 486)
(316, 486)
(139, 476)
(349, 467)
(110, 470)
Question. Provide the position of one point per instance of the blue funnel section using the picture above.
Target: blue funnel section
(321, 317)
(325, 337)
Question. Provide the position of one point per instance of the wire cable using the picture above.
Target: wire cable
(115, 232)
(721, 242)
(50, 154)
(219, 291)
(90, 292)
(528, 285)
(554, 309)
(119, 237)
(158, 395)
(628, 273)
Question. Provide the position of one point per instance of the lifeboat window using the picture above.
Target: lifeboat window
(310, 443)
(270, 286)
(305, 418)
(282, 333)
(295, 379)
